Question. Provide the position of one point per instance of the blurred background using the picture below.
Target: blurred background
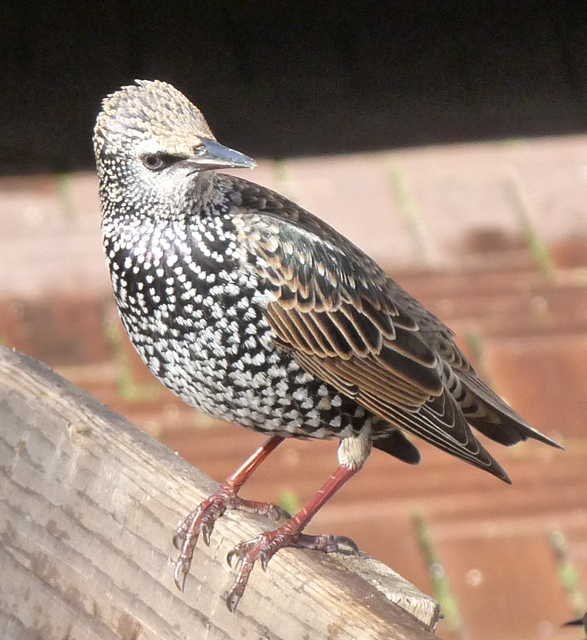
(447, 140)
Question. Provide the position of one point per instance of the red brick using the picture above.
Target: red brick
(43, 247)
(552, 174)
(57, 330)
(545, 379)
(506, 584)
(31, 208)
(460, 197)
(83, 191)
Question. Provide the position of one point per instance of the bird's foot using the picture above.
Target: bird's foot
(202, 521)
(264, 547)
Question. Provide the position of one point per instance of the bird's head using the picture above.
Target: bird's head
(154, 146)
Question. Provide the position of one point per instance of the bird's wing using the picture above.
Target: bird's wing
(480, 405)
(336, 312)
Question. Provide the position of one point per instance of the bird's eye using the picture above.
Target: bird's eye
(200, 149)
(155, 161)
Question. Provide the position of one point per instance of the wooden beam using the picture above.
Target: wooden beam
(88, 508)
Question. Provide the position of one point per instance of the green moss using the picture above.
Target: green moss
(290, 501)
(443, 592)
(534, 240)
(63, 181)
(409, 209)
(568, 574)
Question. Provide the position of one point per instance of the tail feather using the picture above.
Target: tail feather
(495, 419)
(397, 444)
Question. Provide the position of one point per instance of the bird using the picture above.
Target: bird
(256, 312)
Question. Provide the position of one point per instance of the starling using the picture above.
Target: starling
(256, 312)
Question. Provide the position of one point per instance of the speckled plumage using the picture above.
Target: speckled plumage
(255, 311)
(195, 312)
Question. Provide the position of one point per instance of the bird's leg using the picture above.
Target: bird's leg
(264, 546)
(202, 519)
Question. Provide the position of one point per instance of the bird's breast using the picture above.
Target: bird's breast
(186, 288)
(194, 308)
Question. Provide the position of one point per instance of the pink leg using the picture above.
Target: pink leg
(202, 519)
(264, 546)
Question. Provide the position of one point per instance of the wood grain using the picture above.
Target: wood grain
(88, 507)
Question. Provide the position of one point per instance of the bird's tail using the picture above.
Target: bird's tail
(490, 415)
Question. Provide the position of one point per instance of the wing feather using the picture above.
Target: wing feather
(346, 322)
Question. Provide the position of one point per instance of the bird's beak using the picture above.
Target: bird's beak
(577, 623)
(214, 155)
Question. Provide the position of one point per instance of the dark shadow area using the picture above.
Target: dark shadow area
(294, 78)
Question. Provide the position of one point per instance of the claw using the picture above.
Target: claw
(326, 543)
(232, 599)
(277, 513)
(178, 539)
(202, 520)
(265, 546)
(240, 583)
(264, 558)
(201, 523)
(349, 543)
(206, 531)
(179, 575)
(230, 556)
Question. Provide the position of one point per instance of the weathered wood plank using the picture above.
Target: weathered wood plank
(87, 511)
